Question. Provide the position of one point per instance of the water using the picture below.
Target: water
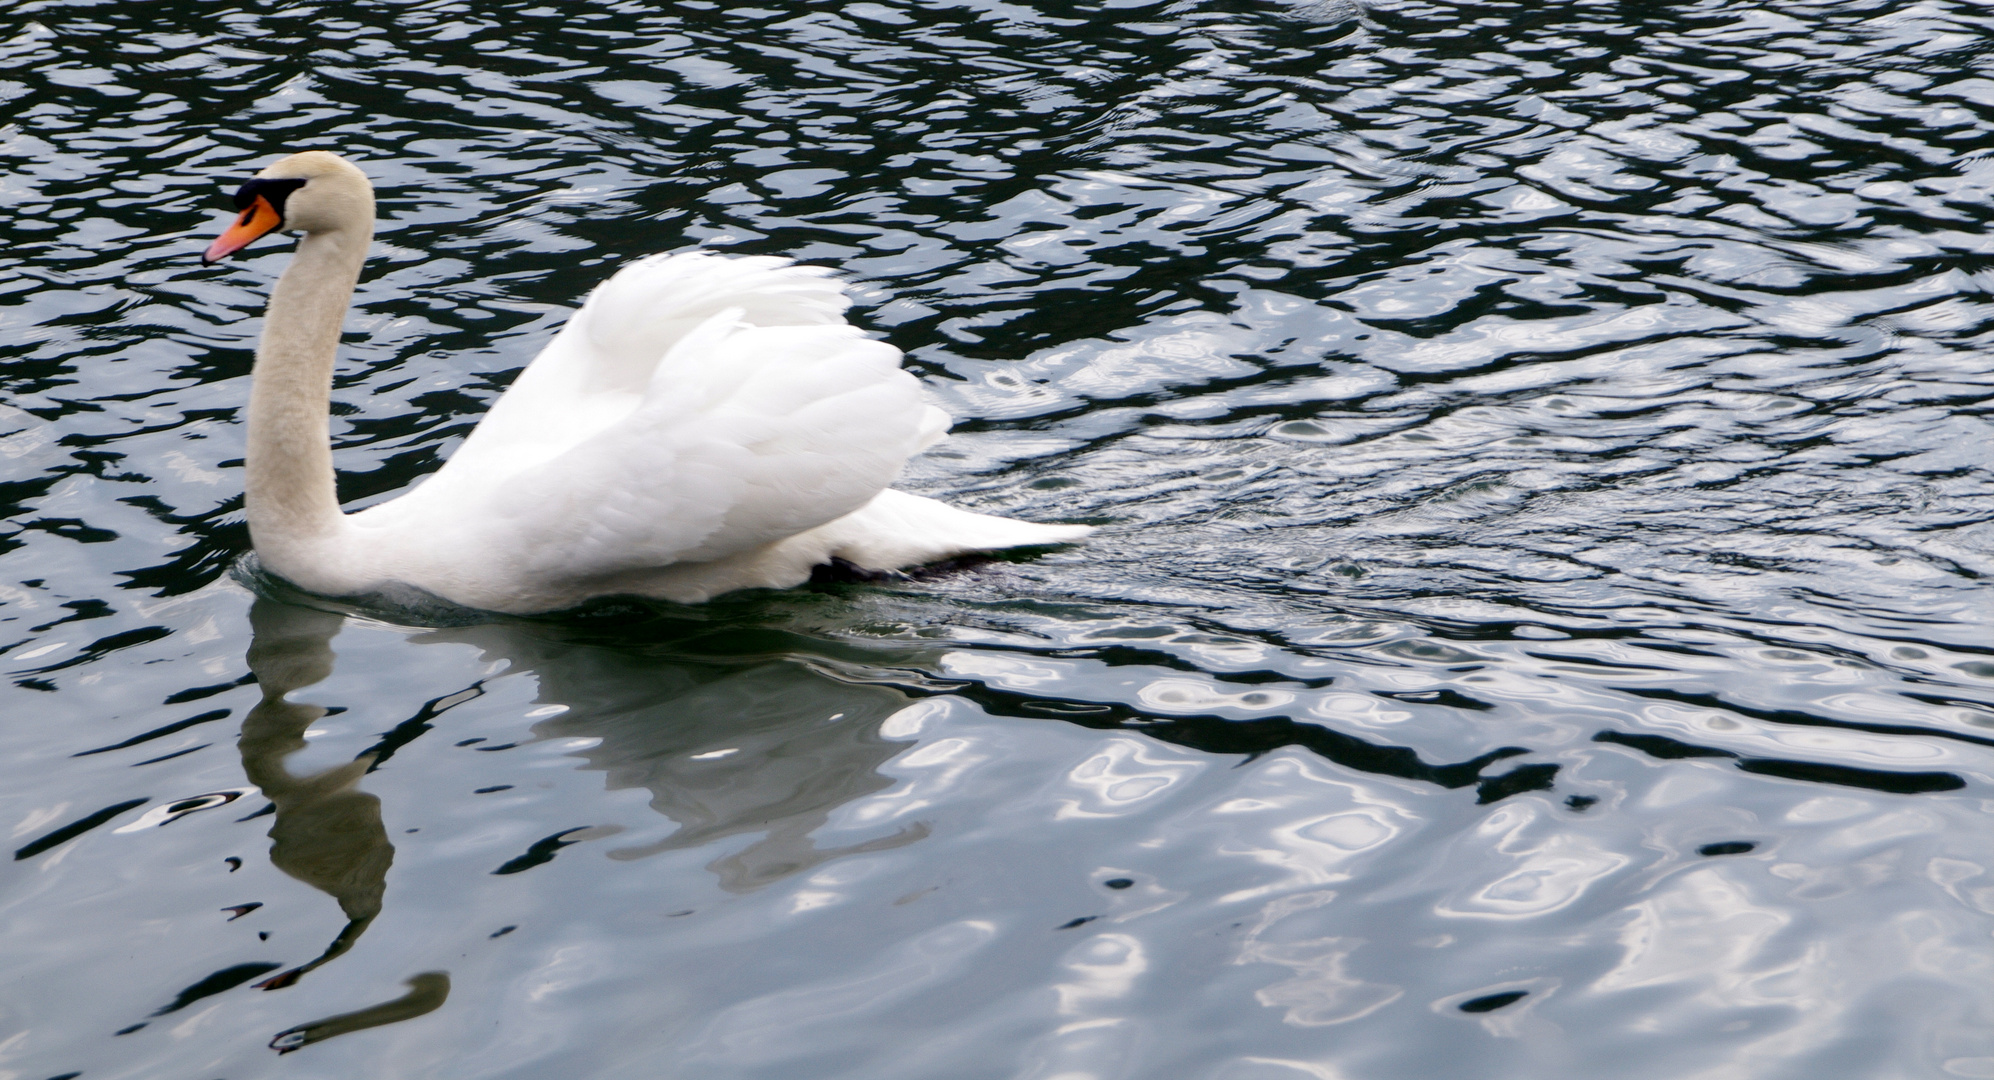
(1544, 456)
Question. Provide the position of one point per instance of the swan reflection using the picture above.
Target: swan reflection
(725, 748)
(426, 994)
(327, 833)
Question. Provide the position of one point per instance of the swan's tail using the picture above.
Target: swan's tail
(897, 530)
(894, 531)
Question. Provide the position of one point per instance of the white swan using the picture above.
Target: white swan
(702, 424)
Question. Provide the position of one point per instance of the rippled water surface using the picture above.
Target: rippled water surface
(1540, 624)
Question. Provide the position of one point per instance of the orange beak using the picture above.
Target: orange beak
(259, 218)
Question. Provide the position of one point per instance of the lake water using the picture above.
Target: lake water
(1540, 623)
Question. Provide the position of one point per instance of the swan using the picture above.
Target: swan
(703, 424)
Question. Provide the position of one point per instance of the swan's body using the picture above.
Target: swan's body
(703, 424)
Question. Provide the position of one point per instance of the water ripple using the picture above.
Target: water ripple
(1541, 616)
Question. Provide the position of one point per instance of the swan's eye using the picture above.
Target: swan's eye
(274, 192)
(262, 205)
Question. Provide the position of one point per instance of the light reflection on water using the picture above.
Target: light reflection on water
(1540, 624)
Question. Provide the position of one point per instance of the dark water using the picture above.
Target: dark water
(1541, 625)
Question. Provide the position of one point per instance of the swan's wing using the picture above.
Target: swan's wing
(697, 406)
(746, 435)
(600, 366)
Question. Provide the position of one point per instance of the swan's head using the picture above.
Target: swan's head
(312, 192)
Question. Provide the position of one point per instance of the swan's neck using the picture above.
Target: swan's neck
(292, 507)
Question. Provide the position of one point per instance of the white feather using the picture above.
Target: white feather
(702, 424)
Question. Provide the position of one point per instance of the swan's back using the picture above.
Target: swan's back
(613, 351)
